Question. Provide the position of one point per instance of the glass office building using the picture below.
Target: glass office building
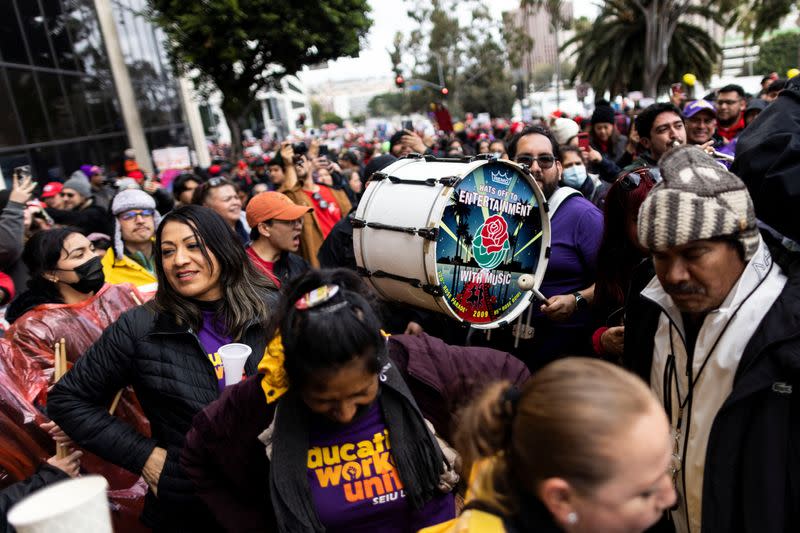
(58, 103)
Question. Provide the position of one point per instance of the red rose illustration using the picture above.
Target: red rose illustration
(494, 233)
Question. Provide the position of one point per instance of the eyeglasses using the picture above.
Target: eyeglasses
(133, 213)
(323, 204)
(545, 161)
(298, 222)
(633, 179)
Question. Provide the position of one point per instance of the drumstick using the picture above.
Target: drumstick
(64, 366)
(60, 369)
(724, 157)
(115, 402)
(136, 298)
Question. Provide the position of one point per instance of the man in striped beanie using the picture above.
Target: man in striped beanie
(697, 199)
(715, 335)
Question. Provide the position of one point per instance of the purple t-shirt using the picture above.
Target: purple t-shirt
(355, 486)
(576, 231)
(211, 337)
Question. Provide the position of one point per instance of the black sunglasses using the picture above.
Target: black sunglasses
(545, 161)
(631, 181)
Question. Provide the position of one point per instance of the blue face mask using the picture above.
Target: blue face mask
(574, 176)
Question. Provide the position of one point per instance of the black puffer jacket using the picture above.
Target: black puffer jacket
(173, 380)
(768, 161)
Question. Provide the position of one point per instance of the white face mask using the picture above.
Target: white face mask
(574, 176)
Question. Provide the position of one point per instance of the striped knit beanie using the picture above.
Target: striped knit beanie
(696, 199)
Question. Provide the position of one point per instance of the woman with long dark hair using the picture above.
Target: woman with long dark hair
(66, 297)
(208, 295)
(337, 432)
(620, 253)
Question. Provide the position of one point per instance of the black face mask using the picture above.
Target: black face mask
(90, 276)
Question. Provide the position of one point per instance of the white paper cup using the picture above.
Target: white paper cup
(73, 505)
(234, 356)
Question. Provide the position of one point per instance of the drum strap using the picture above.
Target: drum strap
(558, 197)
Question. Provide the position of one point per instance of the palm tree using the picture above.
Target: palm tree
(641, 45)
(461, 213)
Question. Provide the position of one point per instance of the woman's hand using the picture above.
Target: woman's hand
(592, 155)
(57, 434)
(153, 468)
(70, 465)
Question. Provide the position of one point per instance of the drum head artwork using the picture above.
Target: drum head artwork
(491, 233)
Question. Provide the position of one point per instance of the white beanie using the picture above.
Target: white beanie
(125, 201)
(564, 129)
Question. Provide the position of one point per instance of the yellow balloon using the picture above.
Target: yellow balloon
(689, 79)
(792, 73)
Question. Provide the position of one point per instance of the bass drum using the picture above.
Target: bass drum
(454, 236)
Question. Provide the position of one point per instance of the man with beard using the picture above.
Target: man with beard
(131, 258)
(562, 323)
(276, 224)
(715, 335)
(329, 205)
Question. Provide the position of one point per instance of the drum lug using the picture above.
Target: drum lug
(433, 290)
(431, 234)
(449, 181)
(358, 223)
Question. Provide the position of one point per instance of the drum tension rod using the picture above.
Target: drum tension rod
(433, 290)
(431, 234)
(447, 181)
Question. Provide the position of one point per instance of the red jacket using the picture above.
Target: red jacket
(229, 466)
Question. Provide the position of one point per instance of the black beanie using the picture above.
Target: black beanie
(603, 114)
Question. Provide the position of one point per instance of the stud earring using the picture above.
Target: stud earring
(572, 518)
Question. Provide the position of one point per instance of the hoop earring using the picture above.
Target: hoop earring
(572, 518)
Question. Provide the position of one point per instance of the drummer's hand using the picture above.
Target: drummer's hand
(70, 465)
(57, 434)
(414, 141)
(413, 329)
(153, 467)
(559, 308)
(708, 147)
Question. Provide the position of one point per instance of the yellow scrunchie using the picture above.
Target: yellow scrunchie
(275, 383)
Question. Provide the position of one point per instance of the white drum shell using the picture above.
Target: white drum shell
(412, 256)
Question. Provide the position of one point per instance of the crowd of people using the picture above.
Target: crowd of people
(655, 388)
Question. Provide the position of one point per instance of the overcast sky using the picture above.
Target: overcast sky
(389, 17)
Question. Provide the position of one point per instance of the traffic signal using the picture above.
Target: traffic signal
(399, 81)
(445, 91)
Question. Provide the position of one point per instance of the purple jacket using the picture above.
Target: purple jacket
(229, 466)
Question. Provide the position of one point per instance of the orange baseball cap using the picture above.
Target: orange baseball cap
(273, 205)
